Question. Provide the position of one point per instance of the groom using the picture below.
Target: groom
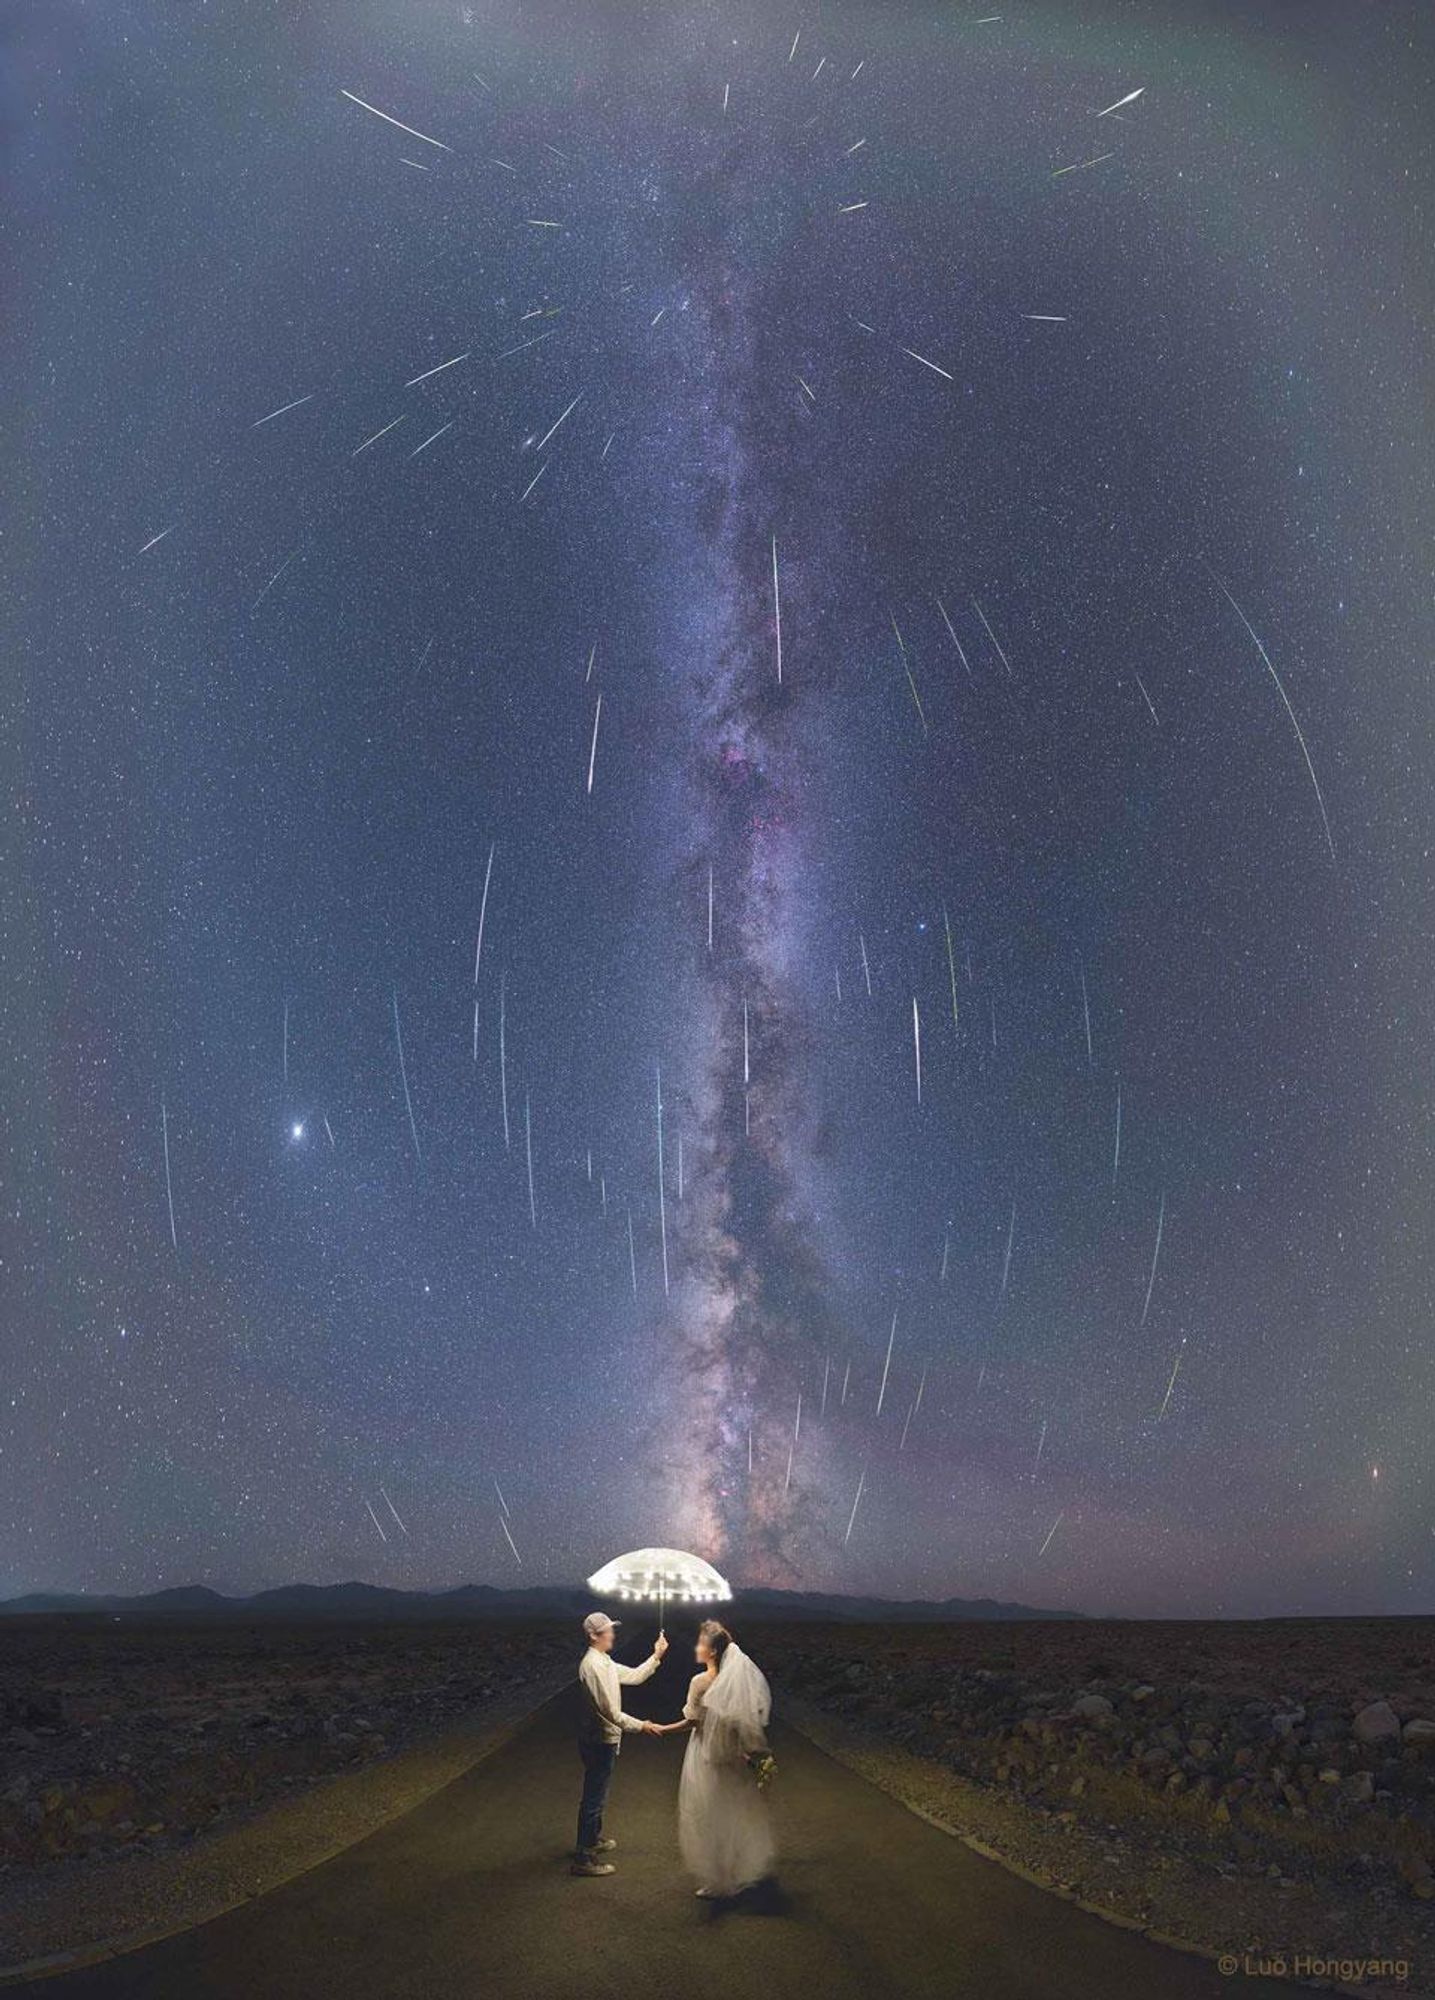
(601, 1723)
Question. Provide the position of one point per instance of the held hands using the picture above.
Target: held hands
(654, 1729)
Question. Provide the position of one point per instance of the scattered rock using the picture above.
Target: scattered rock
(1376, 1723)
(1090, 1706)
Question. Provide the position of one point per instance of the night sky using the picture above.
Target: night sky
(1002, 597)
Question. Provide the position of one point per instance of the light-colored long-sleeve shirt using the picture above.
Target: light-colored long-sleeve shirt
(601, 1680)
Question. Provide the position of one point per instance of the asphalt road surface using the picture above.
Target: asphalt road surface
(469, 1898)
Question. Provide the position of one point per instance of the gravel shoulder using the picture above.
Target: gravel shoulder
(85, 1908)
(1126, 1874)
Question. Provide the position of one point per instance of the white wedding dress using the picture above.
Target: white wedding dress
(724, 1828)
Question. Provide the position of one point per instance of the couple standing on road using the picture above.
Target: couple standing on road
(724, 1832)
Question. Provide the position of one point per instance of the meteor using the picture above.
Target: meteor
(593, 746)
(925, 362)
(375, 438)
(274, 579)
(404, 1073)
(916, 1405)
(992, 635)
(503, 1051)
(483, 913)
(524, 345)
(1116, 1149)
(1155, 1259)
(1080, 164)
(432, 437)
(1285, 698)
(168, 1184)
(853, 1516)
(553, 427)
(954, 639)
(528, 1148)
(374, 109)
(282, 410)
(886, 1365)
(791, 1449)
(415, 380)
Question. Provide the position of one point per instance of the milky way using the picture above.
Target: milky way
(883, 581)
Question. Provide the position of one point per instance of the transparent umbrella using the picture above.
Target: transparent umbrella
(660, 1576)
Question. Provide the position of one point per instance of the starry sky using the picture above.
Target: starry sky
(718, 783)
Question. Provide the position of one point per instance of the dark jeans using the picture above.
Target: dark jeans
(598, 1762)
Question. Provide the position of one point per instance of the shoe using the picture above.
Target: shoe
(604, 1846)
(586, 1865)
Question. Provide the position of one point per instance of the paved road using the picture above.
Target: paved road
(468, 1898)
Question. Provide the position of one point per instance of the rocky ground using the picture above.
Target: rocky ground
(1252, 1787)
(131, 1738)
(1229, 1784)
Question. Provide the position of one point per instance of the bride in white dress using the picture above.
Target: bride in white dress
(724, 1828)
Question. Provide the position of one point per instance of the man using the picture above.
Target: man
(601, 1726)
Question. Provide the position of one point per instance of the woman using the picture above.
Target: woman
(723, 1826)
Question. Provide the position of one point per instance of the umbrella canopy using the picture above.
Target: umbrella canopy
(664, 1576)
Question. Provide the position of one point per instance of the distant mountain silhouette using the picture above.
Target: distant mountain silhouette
(483, 1600)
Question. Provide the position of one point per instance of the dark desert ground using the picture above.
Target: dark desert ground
(1197, 1779)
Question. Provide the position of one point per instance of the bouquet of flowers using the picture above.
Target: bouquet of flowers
(763, 1765)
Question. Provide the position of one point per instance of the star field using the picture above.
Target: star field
(911, 654)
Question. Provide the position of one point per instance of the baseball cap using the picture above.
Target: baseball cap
(599, 1621)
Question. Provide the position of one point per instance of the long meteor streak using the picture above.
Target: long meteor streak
(1155, 1260)
(593, 746)
(394, 121)
(886, 1365)
(1285, 698)
(168, 1184)
(483, 913)
(404, 1073)
(853, 1515)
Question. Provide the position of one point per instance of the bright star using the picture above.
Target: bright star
(296, 1131)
